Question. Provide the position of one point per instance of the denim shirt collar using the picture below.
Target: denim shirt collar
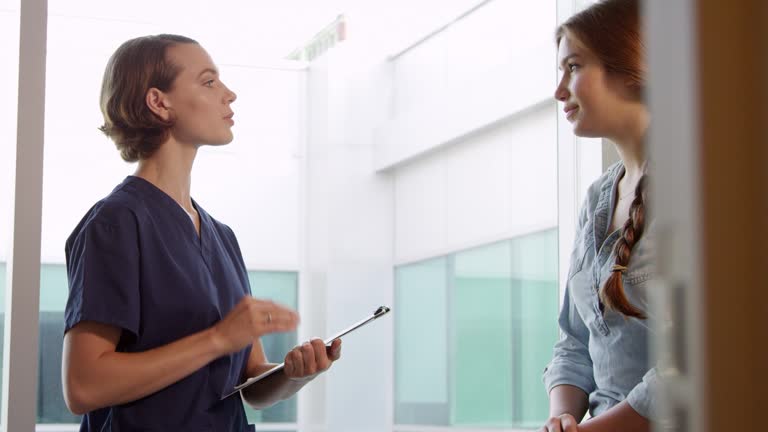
(606, 203)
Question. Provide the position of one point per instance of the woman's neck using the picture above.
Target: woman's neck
(630, 144)
(634, 160)
(170, 170)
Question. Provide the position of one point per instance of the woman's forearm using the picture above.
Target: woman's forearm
(272, 389)
(96, 376)
(302, 364)
(619, 418)
(94, 379)
(568, 399)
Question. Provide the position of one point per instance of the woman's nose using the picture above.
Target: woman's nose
(561, 92)
(229, 96)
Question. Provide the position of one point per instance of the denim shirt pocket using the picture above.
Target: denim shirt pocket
(585, 298)
(642, 262)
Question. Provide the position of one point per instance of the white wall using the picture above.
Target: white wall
(349, 242)
(499, 184)
(253, 184)
(492, 64)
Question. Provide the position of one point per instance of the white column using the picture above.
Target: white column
(350, 238)
(20, 346)
(672, 96)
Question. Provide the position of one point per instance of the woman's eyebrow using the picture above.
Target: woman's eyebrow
(208, 70)
(568, 57)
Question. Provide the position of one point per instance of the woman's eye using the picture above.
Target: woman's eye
(572, 67)
(208, 83)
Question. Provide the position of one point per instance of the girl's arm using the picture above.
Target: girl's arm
(568, 399)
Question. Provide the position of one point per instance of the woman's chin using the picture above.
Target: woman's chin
(584, 132)
(222, 140)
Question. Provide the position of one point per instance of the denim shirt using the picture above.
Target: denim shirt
(605, 353)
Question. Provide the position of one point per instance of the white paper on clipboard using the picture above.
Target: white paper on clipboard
(378, 313)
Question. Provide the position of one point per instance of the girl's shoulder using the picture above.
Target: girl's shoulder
(602, 185)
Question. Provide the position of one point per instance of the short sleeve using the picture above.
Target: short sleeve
(103, 271)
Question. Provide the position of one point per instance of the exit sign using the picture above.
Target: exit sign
(326, 39)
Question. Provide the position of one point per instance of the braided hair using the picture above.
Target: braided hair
(612, 293)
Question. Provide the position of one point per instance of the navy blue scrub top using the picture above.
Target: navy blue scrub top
(136, 262)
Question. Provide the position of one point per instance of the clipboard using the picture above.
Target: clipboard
(378, 313)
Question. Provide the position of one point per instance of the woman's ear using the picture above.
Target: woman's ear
(158, 104)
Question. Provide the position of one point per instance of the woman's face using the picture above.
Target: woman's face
(199, 102)
(597, 104)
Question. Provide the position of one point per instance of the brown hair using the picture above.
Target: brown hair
(612, 294)
(611, 30)
(137, 66)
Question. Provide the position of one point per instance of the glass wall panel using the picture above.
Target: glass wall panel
(283, 288)
(53, 298)
(421, 343)
(534, 322)
(482, 337)
(475, 329)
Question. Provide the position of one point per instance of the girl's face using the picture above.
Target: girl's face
(198, 101)
(596, 103)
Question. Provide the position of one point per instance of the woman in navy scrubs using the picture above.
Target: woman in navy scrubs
(160, 322)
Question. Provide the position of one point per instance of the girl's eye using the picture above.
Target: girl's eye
(208, 83)
(572, 67)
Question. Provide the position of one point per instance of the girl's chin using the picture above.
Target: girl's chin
(582, 132)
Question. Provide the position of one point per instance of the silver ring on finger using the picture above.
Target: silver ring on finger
(269, 318)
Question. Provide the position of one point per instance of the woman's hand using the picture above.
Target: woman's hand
(561, 423)
(249, 320)
(311, 359)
